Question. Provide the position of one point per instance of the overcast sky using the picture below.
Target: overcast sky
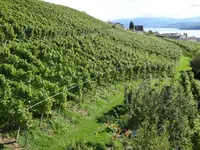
(117, 9)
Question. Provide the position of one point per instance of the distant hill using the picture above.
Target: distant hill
(191, 28)
(185, 25)
(161, 22)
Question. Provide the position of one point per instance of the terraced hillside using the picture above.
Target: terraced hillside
(46, 49)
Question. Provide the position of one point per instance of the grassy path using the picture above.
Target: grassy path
(184, 64)
(87, 128)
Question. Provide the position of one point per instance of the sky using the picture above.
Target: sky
(117, 9)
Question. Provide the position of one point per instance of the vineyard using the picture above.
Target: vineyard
(52, 55)
(189, 48)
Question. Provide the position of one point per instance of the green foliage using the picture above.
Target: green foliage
(131, 26)
(164, 116)
(83, 145)
(150, 32)
(195, 63)
(189, 48)
(148, 139)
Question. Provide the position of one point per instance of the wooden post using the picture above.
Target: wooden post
(18, 132)
(41, 119)
(43, 112)
(59, 109)
(25, 139)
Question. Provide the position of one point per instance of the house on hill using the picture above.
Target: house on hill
(139, 29)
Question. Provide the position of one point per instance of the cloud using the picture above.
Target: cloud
(115, 9)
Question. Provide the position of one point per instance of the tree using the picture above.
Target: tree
(195, 63)
(131, 26)
(150, 32)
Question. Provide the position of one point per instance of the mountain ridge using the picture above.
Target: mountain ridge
(162, 22)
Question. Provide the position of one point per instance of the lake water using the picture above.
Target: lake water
(195, 33)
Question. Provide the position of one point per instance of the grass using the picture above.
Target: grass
(184, 63)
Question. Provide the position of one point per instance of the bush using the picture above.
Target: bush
(195, 63)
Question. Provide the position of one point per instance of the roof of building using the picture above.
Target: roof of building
(139, 28)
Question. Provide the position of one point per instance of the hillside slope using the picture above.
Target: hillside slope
(45, 49)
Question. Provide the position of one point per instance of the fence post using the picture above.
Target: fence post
(25, 139)
(18, 132)
(41, 119)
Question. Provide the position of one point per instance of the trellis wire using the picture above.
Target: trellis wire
(38, 103)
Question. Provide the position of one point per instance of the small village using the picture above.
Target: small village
(176, 36)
